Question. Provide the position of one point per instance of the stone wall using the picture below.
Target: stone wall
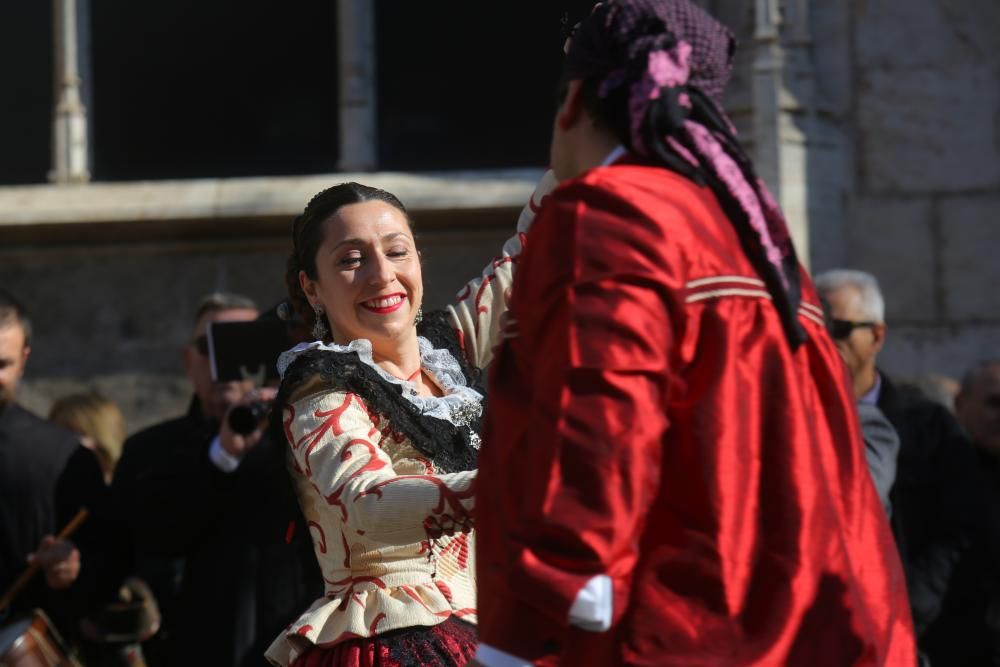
(890, 127)
(925, 206)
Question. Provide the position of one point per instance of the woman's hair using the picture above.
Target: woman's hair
(309, 231)
(93, 416)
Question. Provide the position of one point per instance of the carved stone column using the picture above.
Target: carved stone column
(783, 109)
(69, 121)
(358, 121)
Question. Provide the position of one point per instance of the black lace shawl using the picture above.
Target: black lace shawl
(448, 446)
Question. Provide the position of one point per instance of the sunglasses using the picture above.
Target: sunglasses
(841, 329)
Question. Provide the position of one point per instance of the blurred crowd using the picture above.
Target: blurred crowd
(186, 545)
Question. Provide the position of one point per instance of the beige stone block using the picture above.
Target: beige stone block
(970, 258)
(926, 33)
(929, 130)
(948, 350)
(144, 399)
(893, 240)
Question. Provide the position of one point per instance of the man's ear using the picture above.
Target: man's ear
(571, 109)
(25, 353)
(879, 332)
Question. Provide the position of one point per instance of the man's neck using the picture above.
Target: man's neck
(864, 382)
(594, 150)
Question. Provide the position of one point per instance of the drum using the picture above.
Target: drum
(33, 642)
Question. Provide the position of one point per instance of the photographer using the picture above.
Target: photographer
(205, 517)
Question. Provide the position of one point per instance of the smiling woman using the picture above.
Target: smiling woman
(381, 413)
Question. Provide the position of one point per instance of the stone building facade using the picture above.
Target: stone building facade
(876, 123)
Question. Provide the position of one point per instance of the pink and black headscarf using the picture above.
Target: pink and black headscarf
(660, 67)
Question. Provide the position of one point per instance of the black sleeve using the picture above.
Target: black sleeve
(951, 526)
(81, 486)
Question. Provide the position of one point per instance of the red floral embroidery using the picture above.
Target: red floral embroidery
(347, 585)
(445, 590)
(287, 424)
(497, 263)
(448, 523)
(413, 594)
(331, 422)
(374, 463)
(460, 545)
(428, 466)
(378, 619)
(320, 540)
(389, 434)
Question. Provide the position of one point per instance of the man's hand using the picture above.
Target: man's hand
(238, 444)
(59, 559)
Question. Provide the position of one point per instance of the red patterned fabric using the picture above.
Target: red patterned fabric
(651, 423)
(450, 644)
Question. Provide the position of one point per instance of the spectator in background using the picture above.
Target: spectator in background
(938, 388)
(45, 478)
(165, 495)
(201, 515)
(936, 499)
(978, 408)
(99, 424)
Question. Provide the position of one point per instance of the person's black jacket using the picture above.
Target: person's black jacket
(46, 477)
(212, 545)
(937, 505)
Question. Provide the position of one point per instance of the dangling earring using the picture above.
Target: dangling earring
(420, 315)
(319, 330)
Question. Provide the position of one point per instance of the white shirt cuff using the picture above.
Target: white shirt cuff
(222, 459)
(591, 611)
(592, 608)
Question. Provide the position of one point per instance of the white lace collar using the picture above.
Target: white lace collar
(460, 404)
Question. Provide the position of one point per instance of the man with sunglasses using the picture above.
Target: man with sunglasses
(170, 490)
(936, 496)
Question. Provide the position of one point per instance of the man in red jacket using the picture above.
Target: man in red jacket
(672, 472)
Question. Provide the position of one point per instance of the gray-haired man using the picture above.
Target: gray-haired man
(936, 495)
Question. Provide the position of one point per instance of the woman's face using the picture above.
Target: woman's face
(367, 273)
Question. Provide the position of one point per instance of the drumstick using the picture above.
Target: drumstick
(30, 571)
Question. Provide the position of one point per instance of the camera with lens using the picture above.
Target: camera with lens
(244, 419)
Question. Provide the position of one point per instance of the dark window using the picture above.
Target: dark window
(466, 84)
(196, 88)
(26, 77)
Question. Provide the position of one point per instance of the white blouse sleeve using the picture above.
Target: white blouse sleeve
(478, 312)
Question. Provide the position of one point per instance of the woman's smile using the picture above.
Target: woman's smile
(386, 304)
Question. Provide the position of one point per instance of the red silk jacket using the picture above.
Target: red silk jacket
(649, 421)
